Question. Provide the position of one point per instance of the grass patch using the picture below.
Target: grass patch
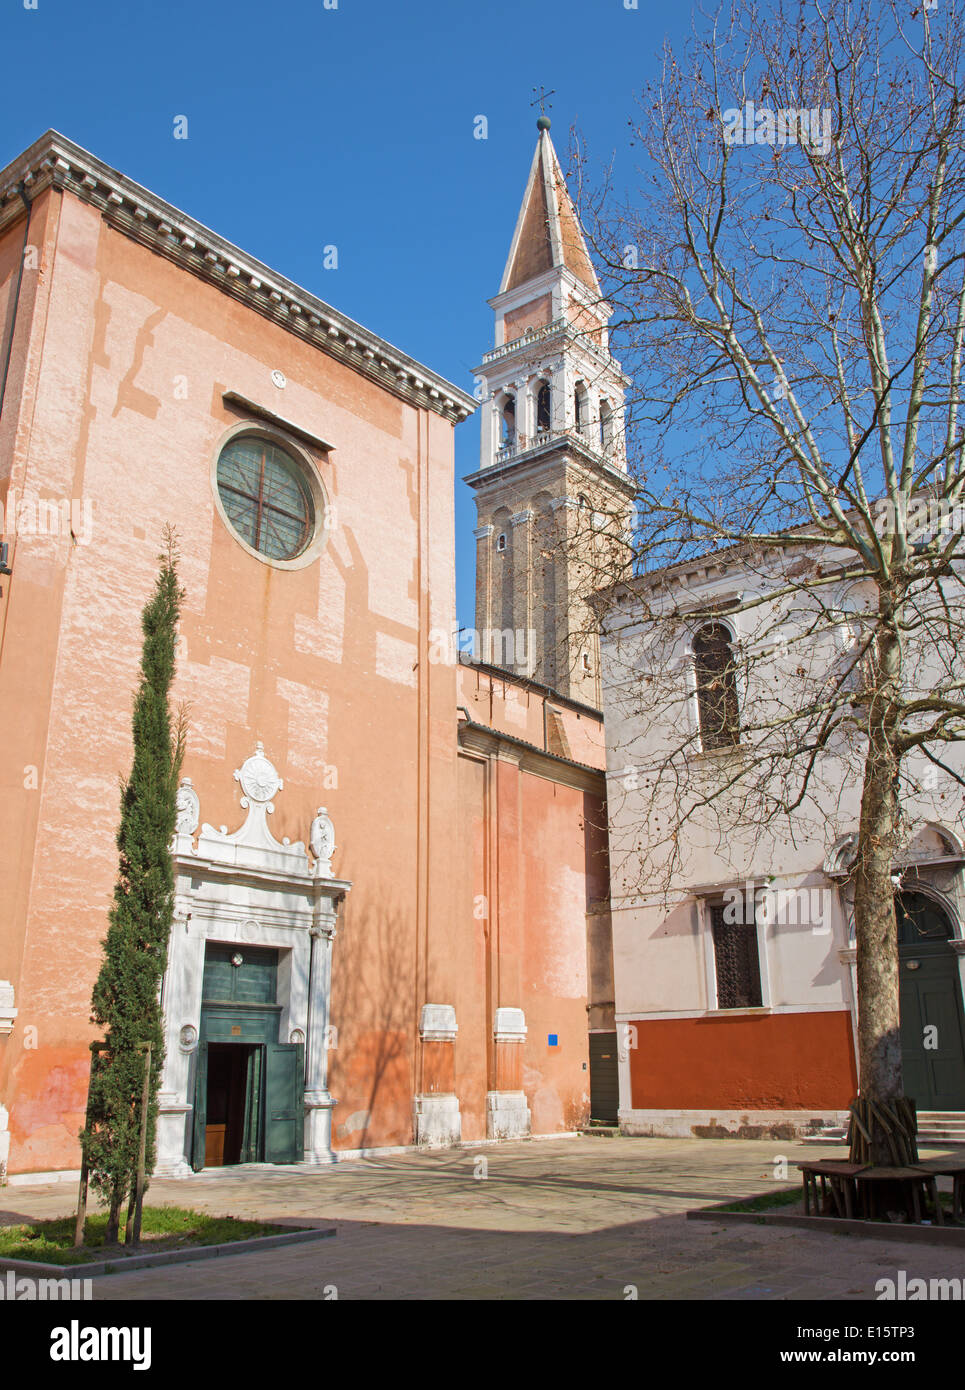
(162, 1228)
(791, 1196)
(783, 1197)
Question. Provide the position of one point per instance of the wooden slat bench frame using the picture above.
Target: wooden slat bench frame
(851, 1186)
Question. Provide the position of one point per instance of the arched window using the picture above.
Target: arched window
(920, 920)
(716, 672)
(508, 422)
(543, 411)
(606, 424)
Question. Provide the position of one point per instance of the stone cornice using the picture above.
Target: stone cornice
(244, 406)
(54, 161)
(507, 677)
(568, 447)
(531, 349)
(190, 864)
(481, 739)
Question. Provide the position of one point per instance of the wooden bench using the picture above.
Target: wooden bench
(837, 1176)
(914, 1179)
(953, 1168)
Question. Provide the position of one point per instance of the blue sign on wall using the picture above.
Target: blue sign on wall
(553, 1039)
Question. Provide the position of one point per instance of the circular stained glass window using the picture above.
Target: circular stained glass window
(266, 497)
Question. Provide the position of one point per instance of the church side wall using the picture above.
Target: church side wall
(325, 664)
(531, 868)
(43, 1058)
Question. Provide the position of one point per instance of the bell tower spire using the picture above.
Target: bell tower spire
(552, 492)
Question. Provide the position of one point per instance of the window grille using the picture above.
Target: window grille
(737, 962)
(716, 672)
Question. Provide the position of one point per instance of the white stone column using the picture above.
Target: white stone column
(7, 1015)
(525, 414)
(561, 406)
(488, 432)
(181, 1001)
(318, 1099)
(848, 956)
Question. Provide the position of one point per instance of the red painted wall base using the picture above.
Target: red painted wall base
(754, 1061)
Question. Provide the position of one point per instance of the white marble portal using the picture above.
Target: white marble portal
(247, 887)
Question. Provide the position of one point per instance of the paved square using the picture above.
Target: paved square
(586, 1218)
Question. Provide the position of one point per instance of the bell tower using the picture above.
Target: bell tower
(553, 499)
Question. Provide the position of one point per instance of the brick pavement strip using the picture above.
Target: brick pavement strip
(573, 1219)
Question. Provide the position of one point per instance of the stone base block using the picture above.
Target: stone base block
(728, 1124)
(318, 1127)
(173, 1137)
(437, 1122)
(507, 1115)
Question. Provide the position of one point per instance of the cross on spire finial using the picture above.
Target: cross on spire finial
(540, 95)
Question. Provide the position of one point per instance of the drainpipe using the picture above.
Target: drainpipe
(22, 190)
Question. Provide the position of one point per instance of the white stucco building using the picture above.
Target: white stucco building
(732, 923)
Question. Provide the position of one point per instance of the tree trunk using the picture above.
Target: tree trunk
(113, 1219)
(879, 1040)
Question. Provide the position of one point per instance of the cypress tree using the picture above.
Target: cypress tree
(126, 996)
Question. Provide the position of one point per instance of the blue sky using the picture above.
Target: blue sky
(310, 126)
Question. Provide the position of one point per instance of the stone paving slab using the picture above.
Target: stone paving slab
(573, 1219)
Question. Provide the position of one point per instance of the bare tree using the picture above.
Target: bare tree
(788, 281)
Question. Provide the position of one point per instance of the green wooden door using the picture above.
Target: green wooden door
(252, 1145)
(932, 1022)
(284, 1102)
(604, 1078)
(239, 974)
(932, 1032)
(199, 1133)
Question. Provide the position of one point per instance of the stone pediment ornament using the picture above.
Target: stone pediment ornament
(253, 843)
(321, 842)
(258, 778)
(932, 842)
(252, 849)
(840, 858)
(189, 808)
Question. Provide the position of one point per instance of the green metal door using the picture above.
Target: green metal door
(284, 1102)
(199, 1133)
